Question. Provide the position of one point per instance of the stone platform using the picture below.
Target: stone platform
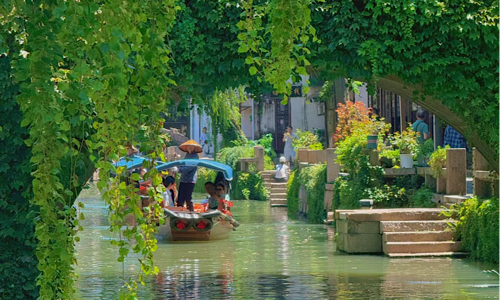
(396, 232)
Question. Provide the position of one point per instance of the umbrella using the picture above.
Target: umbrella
(191, 144)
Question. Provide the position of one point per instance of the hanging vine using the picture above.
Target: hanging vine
(91, 75)
(288, 30)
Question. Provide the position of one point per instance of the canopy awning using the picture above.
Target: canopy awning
(225, 169)
(131, 162)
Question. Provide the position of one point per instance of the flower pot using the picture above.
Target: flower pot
(406, 160)
(371, 141)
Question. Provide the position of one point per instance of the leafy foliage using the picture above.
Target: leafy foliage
(406, 141)
(313, 178)
(223, 109)
(292, 193)
(265, 141)
(421, 198)
(389, 157)
(204, 175)
(350, 115)
(438, 161)
(18, 262)
(252, 182)
(478, 229)
(307, 139)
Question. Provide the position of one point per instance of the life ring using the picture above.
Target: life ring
(175, 224)
(208, 224)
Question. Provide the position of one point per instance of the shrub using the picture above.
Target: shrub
(406, 141)
(292, 195)
(248, 186)
(204, 175)
(421, 198)
(438, 161)
(349, 115)
(389, 158)
(313, 178)
(307, 139)
(478, 228)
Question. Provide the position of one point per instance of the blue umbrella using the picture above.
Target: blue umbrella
(225, 169)
(130, 162)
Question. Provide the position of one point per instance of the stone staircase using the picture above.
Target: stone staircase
(277, 190)
(405, 232)
(419, 235)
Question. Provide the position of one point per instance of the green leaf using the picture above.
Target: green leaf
(253, 70)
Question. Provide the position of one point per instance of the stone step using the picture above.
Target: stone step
(278, 196)
(278, 190)
(412, 226)
(329, 218)
(278, 202)
(421, 247)
(405, 214)
(419, 236)
(432, 254)
(275, 184)
(272, 172)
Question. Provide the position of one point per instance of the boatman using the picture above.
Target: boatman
(188, 175)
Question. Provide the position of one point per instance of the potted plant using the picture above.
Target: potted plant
(407, 143)
(437, 161)
(424, 151)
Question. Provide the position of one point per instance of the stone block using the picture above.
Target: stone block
(328, 200)
(312, 157)
(354, 227)
(321, 156)
(259, 156)
(456, 167)
(302, 154)
(332, 168)
(359, 243)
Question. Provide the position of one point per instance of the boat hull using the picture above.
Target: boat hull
(220, 228)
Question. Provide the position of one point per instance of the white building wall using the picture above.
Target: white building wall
(363, 95)
(267, 118)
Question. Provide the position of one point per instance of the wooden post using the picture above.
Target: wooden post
(332, 168)
(259, 155)
(456, 168)
(479, 163)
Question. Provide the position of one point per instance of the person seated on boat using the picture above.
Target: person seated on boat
(282, 170)
(221, 191)
(213, 200)
(168, 195)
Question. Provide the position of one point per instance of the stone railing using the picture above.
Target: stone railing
(258, 160)
(305, 158)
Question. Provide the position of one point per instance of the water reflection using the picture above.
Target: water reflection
(269, 257)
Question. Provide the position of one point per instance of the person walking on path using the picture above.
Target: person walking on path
(421, 127)
(188, 175)
(454, 139)
(288, 138)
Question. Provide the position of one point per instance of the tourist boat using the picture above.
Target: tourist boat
(183, 225)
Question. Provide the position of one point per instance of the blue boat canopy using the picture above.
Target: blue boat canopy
(131, 162)
(225, 169)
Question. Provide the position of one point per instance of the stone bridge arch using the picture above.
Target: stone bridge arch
(436, 107)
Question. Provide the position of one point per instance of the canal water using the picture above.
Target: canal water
(270, 257)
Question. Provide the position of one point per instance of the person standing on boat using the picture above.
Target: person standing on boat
(188, 175)
(288, 138)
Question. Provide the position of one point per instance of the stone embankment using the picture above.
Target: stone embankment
(396, 232)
